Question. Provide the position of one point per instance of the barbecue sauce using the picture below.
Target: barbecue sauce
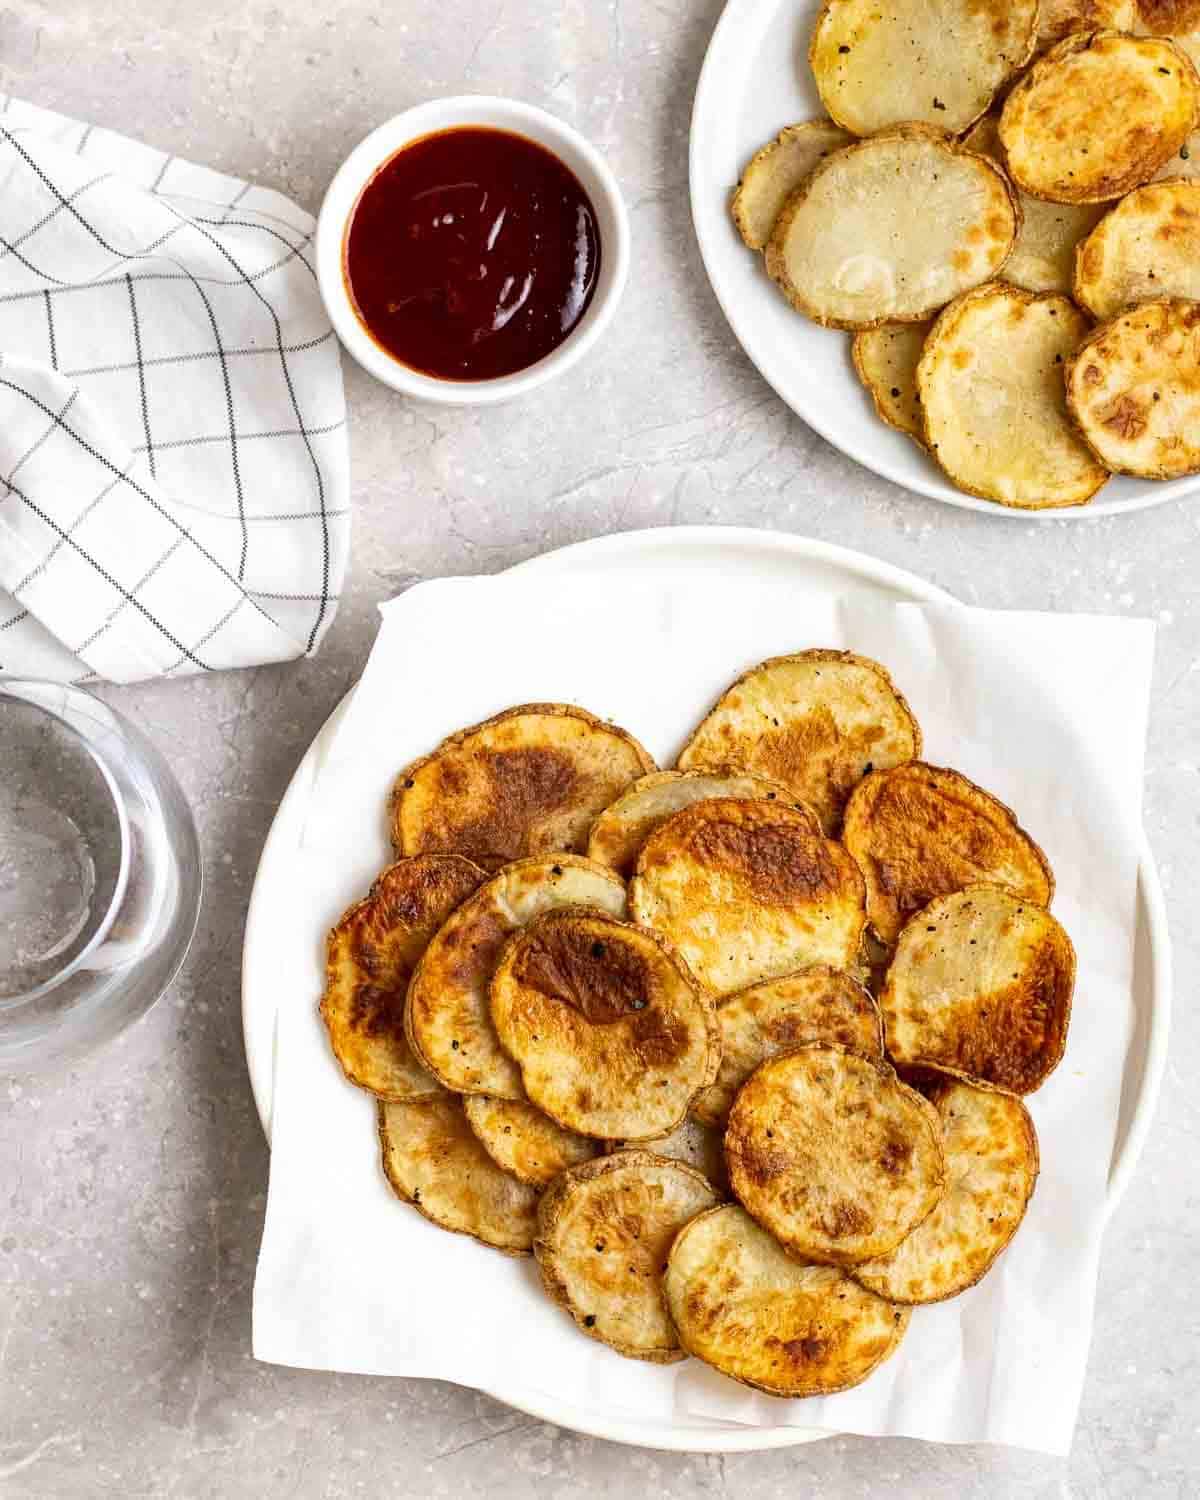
(472, 254)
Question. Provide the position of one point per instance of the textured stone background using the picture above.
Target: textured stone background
(131, 1190)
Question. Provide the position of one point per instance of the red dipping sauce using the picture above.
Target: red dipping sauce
(472, 254)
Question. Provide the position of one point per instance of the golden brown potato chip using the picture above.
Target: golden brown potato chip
(1043, 259)
(620, 831)
(370, 958)
(528, 781)
(817, 1004)
(604, 1230)
(1145, 249)
(747, 891)
(1099, 114)
(613, 1036)
(817, 722)
(879, 63)
(743, 1306)
(885, 360)
(891, 229)
(833, 1155)
(1133, 387)
(448, 1019)
(694, 1144)
(922, 831)
(774, 173)
(1060, 18)
(991, 384)
(434, 1162)
(980, 986)
(524, 1142)
(991, 1168)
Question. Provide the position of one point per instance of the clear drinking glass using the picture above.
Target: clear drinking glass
(100, 874)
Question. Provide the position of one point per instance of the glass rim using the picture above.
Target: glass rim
(35, 692)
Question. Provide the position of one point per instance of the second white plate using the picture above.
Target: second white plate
(755, 80)
(282, 959)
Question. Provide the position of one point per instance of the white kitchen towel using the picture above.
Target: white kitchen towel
(174, 476)
(1047, 711)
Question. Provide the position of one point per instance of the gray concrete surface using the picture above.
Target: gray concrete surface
(131, 1189)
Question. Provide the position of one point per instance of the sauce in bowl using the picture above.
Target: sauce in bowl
(472, 254)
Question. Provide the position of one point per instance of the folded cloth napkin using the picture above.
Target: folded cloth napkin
(173, 465)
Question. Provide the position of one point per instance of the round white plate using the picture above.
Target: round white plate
(713, 554)
(755, 80)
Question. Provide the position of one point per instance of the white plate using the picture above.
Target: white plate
(755, 80)
(276, 964)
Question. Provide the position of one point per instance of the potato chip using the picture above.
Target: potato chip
(922, 831)
(448, 1018)
(817, 1004)
(746, 891)
(891, 229)
(774, 173)
(991, 1169)
(1146, 248)
(833, 1155)
(885, 360)
(1043, 259)
(991, 384)
(612, 1034)
(747, 1309)
(693, 1143)
(524, 1142)
(816, 722)
(433, 1161)
(1099, 114)
(1133, 387)
(604, 1231)
(980, 986)
(370, 958)
(879, 63)
(620, 831)
(528, 781)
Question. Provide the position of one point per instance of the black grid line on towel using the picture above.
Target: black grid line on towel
(49, 521)
(240, 250)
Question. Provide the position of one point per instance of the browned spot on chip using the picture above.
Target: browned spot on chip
(603, 978)
(1125, 416)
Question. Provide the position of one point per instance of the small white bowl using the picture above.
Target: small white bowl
(446, 114)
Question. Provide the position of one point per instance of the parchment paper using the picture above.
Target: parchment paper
(1047, 711)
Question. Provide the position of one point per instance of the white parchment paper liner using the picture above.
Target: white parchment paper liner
(1046, 711)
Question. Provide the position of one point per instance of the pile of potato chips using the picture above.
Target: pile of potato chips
(735, 1050)
(1003, 206)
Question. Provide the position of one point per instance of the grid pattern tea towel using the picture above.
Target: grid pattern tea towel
(173, 464)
